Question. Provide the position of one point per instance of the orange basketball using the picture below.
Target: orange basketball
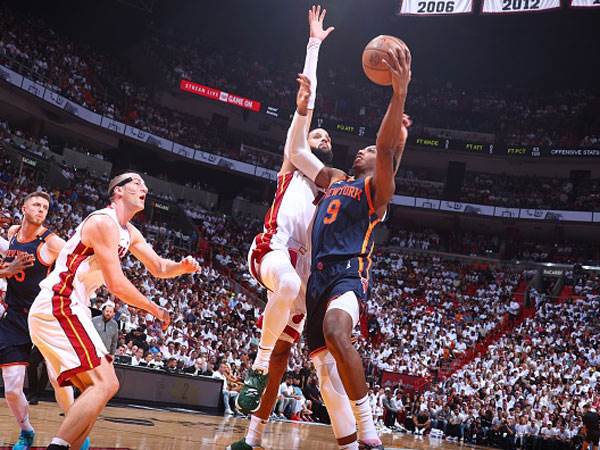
(372, 57)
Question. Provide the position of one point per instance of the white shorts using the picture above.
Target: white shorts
(301, 263)
(62, 329)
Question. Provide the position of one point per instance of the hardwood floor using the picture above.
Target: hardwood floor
(151, 429)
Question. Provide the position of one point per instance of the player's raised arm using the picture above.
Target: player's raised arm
(156, 265)
(392, 135)
(297, 150)
(101, 233)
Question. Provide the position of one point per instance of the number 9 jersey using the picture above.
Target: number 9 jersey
(344, 224)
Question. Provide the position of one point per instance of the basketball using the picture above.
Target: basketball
(373, 55)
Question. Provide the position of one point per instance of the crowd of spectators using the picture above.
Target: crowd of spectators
(514, 115)
(103, 84)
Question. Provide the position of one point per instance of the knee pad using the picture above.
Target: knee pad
(334, 395)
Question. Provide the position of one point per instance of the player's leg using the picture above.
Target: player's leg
(99, 386)
(13, 377)
(278, 274)
(259, 420)
(340, 319)
(64, 395)
(336, 401)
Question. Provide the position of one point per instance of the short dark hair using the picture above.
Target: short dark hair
(41, 194)
(115, 182)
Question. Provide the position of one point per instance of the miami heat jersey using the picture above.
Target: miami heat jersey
(22, 288)
(344, 224)
(77, 274)
(287, 222)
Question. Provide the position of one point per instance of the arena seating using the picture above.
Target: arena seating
(440, 318)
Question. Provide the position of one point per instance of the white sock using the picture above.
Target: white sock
(278, 274)
(364, 421)
(255, 431)
(59, 441)
(263, 356)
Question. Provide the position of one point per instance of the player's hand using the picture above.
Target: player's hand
(303, 94)
(398, 61)
(21, 262)
(316, 16)
(165, 317)
(189, 264)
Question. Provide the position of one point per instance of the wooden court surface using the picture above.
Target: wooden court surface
(145, 429)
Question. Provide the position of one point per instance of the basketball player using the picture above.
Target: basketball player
(342, 243)
(60, 320)
(591, 424)
(279, 257)
(31, 251)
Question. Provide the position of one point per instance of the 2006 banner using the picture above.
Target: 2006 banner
(435, 7)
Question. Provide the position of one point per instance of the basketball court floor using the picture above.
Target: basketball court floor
(151, 429)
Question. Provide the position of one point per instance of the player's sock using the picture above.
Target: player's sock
(364, 421)
(255, 431)
(60, 443)
(279, 275)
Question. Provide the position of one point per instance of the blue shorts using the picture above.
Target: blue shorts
(328, 281)
(15, 355)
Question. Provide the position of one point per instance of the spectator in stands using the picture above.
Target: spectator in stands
(107, 327)
(229, 396)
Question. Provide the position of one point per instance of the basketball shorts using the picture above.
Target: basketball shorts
(593, 437)
(63, 331)
(333, 285)
(301, 263)
(15, 343)
(15, 355)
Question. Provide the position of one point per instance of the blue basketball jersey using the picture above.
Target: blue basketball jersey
(21, 291)
(344, 224)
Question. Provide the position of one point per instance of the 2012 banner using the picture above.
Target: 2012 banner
(435, 7)
(518, 6)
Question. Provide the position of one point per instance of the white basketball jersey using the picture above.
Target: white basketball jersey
(287, 222)
(76, 273)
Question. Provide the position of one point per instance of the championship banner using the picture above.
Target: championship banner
(518, 6)
(217, 94)
(435, 7)
(585, 3)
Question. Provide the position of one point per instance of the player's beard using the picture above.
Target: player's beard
(325, 156)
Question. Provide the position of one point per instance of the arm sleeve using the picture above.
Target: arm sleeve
(3, 246)
(297, 149)
(310, 68)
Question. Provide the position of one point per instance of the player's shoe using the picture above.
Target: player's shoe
(242, 445)
(363, 446)
(254, 385)
(86, 444)
(25, 441)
